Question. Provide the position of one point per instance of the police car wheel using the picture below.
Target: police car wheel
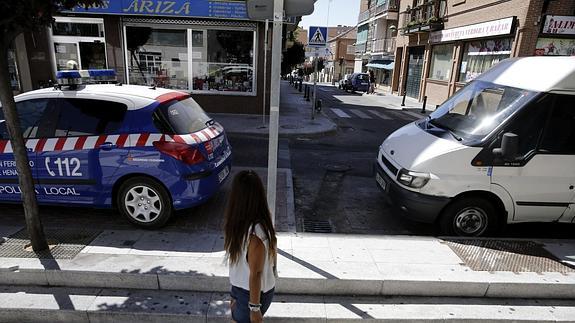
(144, 202)
(469, 217)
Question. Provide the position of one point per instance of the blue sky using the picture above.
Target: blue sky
(341, 12)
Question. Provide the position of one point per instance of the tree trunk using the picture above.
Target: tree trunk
(26, 181)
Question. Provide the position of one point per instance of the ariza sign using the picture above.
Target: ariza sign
(480, 30)
(562, 25)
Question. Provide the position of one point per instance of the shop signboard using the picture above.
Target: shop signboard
(559, 25)
(485, 29)
(230, 9)
(555, 47)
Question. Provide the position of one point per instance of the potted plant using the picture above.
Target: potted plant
(435, 23)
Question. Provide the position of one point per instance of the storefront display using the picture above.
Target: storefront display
(13, 71)
(555, 47)
(441, 58)
(221, 59)
(481, 55)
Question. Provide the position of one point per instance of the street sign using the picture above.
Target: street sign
(317, 36)
(263, 9)
(317, 52)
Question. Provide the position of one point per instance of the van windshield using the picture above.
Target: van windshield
(472, 113)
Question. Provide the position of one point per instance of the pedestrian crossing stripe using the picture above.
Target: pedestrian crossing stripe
(360, 114)
(381, 115)
(388, 115)
(340, 113)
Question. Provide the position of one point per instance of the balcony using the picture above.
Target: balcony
(363, 16)
(386, 45)
(360, 48)
(390, 5)
(425, 17)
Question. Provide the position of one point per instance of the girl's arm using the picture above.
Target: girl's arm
(256, 260)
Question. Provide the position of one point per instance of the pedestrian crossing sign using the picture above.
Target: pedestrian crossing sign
(317, 36)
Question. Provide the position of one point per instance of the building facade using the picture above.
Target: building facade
(443, 44)
(341, 60)
(375, 42)
(209, 49)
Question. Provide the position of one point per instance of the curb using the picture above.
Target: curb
(493, 288)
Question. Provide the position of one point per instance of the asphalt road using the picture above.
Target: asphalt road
(333, 181)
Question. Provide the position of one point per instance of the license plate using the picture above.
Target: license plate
(223, 174)
(364, 83)
(380, 181)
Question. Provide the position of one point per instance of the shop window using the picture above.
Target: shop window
(158, 56)
(78, 29)
(441, 62)
(479, 56)
(223, 60)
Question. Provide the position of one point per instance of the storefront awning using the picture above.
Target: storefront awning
(388, 66)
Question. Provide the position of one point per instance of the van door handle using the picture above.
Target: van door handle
(571, 187)
(108, 146)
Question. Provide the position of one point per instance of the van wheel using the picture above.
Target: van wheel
(468, 217)
(144, 202)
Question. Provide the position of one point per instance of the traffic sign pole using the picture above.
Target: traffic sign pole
(274, 106)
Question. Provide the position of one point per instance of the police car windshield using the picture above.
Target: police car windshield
(480, 107)
(180, 117)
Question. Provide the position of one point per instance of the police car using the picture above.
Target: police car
(145, 150)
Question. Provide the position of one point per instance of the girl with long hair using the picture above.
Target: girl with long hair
(250, 243)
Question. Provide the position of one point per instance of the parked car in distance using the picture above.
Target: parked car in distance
(343, 83)
(501, 150)
(358, 82)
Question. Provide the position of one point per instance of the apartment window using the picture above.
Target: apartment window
(441, 62)
(362, 33)
(481, 55)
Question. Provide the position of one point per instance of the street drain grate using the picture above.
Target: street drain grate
(504, 255)
(64, 244)
(316, 226)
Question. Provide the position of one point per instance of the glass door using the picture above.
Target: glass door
(79, 43)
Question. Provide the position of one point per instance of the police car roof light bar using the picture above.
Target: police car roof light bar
(73, 78)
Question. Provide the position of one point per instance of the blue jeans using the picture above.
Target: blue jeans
(241, 297)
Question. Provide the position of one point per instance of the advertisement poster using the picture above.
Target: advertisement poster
(561, 25)
(555, 47)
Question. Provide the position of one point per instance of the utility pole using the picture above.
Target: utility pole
(274, 106)
(265, 72)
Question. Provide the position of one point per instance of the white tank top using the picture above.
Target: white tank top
(240, 271)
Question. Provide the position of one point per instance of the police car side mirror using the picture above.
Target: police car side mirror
(509, 147)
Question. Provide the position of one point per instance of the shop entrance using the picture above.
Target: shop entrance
(414, 71)
(80, 41)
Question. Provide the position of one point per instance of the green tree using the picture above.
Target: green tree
(293, 56)
(17, 17)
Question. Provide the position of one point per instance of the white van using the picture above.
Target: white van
(500, 150)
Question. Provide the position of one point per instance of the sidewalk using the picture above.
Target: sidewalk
(316, 267)
(295, 118)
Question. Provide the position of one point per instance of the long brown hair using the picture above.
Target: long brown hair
(247, 206)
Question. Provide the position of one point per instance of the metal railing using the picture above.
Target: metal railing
(390, 5)
(363, 16)
(383, 45)
(423, 15)
(361, 48)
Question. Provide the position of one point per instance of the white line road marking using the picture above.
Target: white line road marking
(415, 114)
(360, 114)
(379, 114)
(340, 113)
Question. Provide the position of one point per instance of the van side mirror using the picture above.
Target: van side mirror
(509, 147)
